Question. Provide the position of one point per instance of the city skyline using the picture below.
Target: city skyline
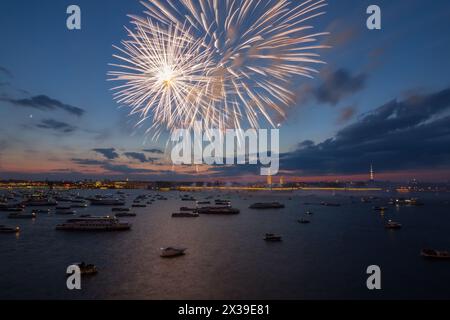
(383, 99)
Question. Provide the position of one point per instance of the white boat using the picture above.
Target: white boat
(171, 252)
(94, 224)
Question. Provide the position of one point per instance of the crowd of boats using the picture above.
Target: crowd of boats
(66, 203)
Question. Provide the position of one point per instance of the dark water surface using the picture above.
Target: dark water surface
(227, 257)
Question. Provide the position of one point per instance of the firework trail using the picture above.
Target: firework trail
(230, 63)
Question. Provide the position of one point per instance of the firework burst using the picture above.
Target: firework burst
(233, 62)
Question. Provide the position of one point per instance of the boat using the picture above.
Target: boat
(94, 224)
(393, 225)
(204, 202)
(172, 252)
(120, 209)
(185, 215)
(5, 229)
(267, 205)
(218, 210)
(107, 202)
(65, 212)
(329, 204)
(86, 269)
(435, 254)
(308, 213)
(188, 209)
(139, 206)
(304, 221)
(40, 203)
(22, 216)
(125, 215)
(13, 209)
(79, 205)
(187, 199)
(379, 208)
(41, 211)
(272, 237)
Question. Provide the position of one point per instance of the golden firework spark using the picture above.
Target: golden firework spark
(229, 63)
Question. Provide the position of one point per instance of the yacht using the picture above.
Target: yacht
(267, 205)
(171, 252)
(94, 224)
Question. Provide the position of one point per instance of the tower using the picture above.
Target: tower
(372, 177)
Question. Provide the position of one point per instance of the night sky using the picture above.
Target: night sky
(383, 98)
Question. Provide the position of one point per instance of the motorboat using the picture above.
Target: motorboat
(435, 254)
(185, 215)
(308, 213)
(382, 209)
(273, 237)
(172, 252)
(267, 205)
(94, 224)
(304, 221)
(5, 229)
(393, 225)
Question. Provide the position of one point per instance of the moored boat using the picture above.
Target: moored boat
(94, 224)
(185, 215)
(172, 252)
(6, 229)
(273, 237)
(267, 205)
(218, 210)
(435, 254)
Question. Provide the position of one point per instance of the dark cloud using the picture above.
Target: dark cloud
(55, 125)
(114, 168)
(137, 156)
(88, 162)
(45, 103)
(400, 135)
(108, 153)
(155, 151)
(338, 85)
